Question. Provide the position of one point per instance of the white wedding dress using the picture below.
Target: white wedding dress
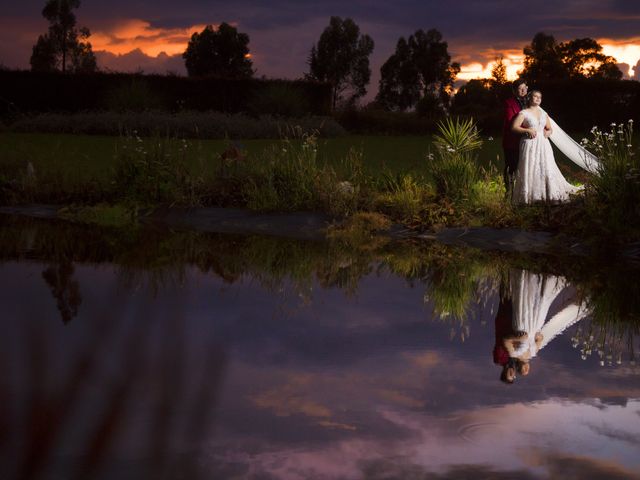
(533, 295)
(538, 178)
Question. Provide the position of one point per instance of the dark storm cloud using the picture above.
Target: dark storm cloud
(283, 31)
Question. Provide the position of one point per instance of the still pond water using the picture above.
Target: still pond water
(165, 355)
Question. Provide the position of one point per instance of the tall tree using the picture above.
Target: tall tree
(64, 47)
(399, 86)
(419, 68)
(583, 57)
(223, 52)
(542, 59)
(341, 58)
(499, 72)
(579, 58)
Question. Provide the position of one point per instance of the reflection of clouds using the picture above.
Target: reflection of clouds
(543, 438)
(340, 387)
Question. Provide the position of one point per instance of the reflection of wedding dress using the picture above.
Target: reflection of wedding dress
(538, 178)
(533, 294)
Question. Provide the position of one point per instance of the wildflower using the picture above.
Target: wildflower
(490, 139)
(613, 124)
(630, 120)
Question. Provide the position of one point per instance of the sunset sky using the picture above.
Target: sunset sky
(130, 35)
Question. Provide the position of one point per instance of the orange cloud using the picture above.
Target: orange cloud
(137, 34)
(624, 51)
(513, 60)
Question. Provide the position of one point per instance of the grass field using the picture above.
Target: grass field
(86, 157)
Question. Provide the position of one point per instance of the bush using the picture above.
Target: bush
(280, 99)
(134, 95)
(47, 92)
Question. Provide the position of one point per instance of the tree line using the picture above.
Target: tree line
(418, 75)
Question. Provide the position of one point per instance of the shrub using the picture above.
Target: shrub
(280, 99)
(133, 95)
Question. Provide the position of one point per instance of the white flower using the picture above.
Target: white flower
(490, 139)
(613, 124)
(346, 188)
(630, 121)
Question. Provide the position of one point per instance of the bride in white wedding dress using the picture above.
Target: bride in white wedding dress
(538, 178)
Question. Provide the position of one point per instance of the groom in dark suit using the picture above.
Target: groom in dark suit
(511, 140)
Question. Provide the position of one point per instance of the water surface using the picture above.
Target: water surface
(153, 354)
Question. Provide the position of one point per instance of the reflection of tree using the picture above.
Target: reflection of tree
(64, 288)
(120, 365)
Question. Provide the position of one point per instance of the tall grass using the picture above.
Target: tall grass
(156, 173)
(613, 195)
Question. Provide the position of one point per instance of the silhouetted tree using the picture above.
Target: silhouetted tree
(420, 68)
(583, 57)
(542, 59)
(341, 58)
(580, 58)
(499, 72)
(64, 47)
(399, 87)
(223, 52)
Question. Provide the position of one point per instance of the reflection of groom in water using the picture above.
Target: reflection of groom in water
(511, 140)
(504, 331)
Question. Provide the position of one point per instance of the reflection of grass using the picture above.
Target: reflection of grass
(101, 214)
(454, 278)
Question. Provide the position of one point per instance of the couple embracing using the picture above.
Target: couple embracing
(531, 173)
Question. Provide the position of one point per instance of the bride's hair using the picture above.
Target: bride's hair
(530, 96)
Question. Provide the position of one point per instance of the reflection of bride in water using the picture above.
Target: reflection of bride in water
(532, 295)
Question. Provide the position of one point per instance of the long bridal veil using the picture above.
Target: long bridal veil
(573, 150)
(568, 316)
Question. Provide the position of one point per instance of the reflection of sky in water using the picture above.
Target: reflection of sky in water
(236, 380)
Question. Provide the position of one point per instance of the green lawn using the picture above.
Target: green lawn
(89, 156)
